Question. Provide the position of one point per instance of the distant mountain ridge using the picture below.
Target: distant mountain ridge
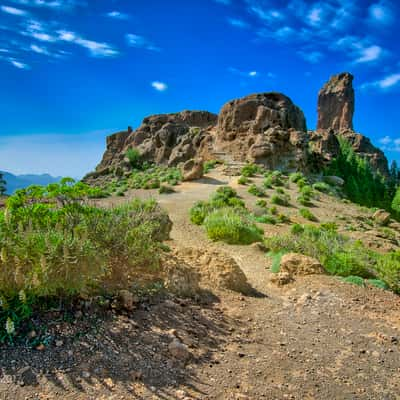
(15, 182)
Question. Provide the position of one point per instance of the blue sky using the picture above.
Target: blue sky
(74, 71)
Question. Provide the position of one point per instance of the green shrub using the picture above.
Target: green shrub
(378, 283)
(209, 165)
(261, 203)
(256, 191)
(302, 182)
(165, 189)
(276, 257)
(199, 212)
(322, 187)
(53, 244)
(282, 218)
(362, 184)
(296, 229)
(279, 190)
(280, 200)
(243, 180)
(154, 177)
(134, 157)
(307, 214)
(304, 201)
(231, 226)
(266, 219)
(250, 170)
(273, 210)
(354, 280)
(295, 177)
(337, 253)
(388, 269)
(307, 191)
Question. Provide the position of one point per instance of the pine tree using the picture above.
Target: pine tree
(2, 185)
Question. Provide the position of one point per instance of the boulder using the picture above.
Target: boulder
(336, 103)
(192, 170)
(126, 300)
(281, 278)
(381, 217)
(179, 350)
(299, 264)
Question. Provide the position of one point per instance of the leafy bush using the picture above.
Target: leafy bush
(307, 214)
(154, 177)
(209, 165)
(273, 210)
(378, 283)
(261, 203)
(304, 201)
(276, 260)
(134, 157)
(266, 219)
(307, 191)
(243, 180)
(256, 191)
(250, 170)
(54, 244)
(322, 187)
(302, 182)
(388, 269)
(295, 177)
(231, 226)
(2, 185)
(338, 254)
(274, 178)
(282, 218)
(280, 200)
(224, 196)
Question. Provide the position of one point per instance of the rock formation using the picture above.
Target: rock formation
(264, 128)
(335, 118)
(336, 103)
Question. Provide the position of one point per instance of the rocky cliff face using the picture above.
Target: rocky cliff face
(335, 117)
(265, 128)
(336, 103)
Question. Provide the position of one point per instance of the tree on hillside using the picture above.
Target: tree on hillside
(2, 185)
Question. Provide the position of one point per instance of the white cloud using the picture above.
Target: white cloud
(96, 49)
(239, 23)
(117, 15)
(52, 4)
(18, 64)
(159, 86)
(39, 49)
(385, 83)
(253, 73)
(381, 13)
(225, 2)
(140, 42)
(315, 16)
(369, 54)
(13, 11)
(385, 140)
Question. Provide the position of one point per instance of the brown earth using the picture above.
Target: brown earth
(315, 338)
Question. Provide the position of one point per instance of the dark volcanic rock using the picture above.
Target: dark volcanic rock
(336, 103)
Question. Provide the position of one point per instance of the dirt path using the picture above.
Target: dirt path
(317, 338)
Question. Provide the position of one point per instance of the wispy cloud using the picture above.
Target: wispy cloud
(52, 4)
(313, 57)
(381, 13)
(140, 42)
(248, 74)
(14, 11)
(388, 143)
(118, 15)
(385, 83)
(18, 64)
(360, 50)
(159, 86)
(238, 23)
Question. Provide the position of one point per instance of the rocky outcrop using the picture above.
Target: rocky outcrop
(192, 169)
(336, 103)
(335, 118)
(167, 139)
(265, 128)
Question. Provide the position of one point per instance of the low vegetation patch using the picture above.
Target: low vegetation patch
(250, 170)
(256, 191)
(339, 254)
(307, 214)
(55, 245)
